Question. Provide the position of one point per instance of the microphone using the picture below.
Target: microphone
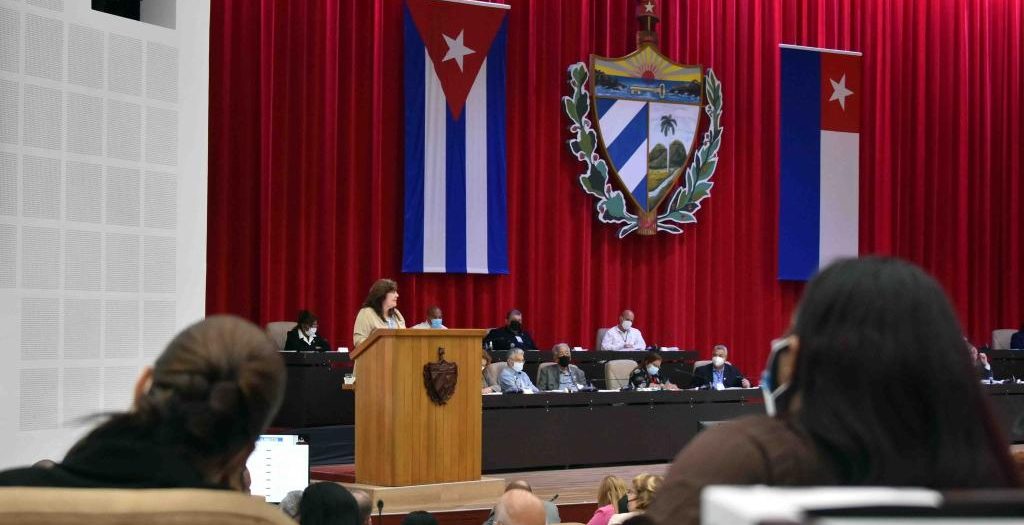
(380, 512)
(553, 498)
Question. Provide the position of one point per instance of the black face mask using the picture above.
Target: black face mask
(515, 326)
(563, 361)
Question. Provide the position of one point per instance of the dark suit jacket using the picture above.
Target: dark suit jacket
(113, 456)
(702, 376)
(295, 343)
(504, 339)
(1017, 340)
(548, 377)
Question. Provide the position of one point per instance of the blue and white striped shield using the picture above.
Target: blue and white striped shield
(648, 112)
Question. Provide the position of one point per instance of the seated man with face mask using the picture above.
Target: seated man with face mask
(512, 335)
(435, 320)
(513, 379)
(719, 374)
(623, 337)
(565, 375)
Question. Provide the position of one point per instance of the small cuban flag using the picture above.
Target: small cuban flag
(454, 87)
(818, 159)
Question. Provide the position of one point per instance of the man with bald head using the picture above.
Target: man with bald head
(549, 509)
(519, 507)
(623, 336)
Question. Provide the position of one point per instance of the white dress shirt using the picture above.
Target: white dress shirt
(616, 339)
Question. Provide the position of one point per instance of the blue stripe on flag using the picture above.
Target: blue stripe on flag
(497, 221)
(631, 138)
(455, 192)
(412, 252)
(604, 104)
(799, 163)
(640, 193)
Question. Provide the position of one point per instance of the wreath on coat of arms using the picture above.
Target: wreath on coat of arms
(648, 114)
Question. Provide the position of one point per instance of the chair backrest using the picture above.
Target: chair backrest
(542, 366)
(600, 338)
(1001, 338)
(62, 506)
(493, 371)
(701, 363)
(616, 373)
(278, 331)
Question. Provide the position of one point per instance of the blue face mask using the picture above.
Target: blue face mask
(435, 323)
(652, 370)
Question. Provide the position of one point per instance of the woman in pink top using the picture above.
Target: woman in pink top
(612, 489)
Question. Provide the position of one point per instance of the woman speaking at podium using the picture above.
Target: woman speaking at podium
(380, 310)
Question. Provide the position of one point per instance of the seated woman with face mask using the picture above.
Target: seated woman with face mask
(648, 374)
(304, 338)
(196, 416)
(872, 386)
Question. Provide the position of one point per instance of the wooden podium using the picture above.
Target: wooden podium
(402, 437)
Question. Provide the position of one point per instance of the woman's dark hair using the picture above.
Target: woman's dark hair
(884, 386)
(328, 504)
(649, 358)
(214, 389)
(306, 318)
(419, 517)
(375, 299)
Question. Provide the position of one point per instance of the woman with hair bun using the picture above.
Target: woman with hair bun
(195, 418)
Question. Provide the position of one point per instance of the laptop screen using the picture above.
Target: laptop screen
(278, 465)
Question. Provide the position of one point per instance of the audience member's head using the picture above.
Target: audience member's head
(290, 504)
(882, 384)
(365, 505)
(328, 504)
(419, 517)
(610, 491)
(518, 484)
(643, 490)
(519, 507)
(207, 398)
(485, 359)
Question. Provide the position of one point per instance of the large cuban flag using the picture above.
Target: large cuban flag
(455, 207)
(819, 168)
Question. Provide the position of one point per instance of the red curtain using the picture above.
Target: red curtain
(306, 130)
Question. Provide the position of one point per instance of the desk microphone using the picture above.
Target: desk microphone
(380, 512)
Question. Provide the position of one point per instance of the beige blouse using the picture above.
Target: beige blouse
(367, 321)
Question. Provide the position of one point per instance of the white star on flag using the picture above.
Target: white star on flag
(456, 49)
(839, 92)
(649, 6)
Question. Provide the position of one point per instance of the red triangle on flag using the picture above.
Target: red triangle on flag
(458, 37)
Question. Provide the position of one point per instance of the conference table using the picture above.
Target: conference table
(556, 430)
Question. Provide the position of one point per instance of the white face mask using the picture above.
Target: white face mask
(718, 361)
(517, 366)
(311, 332)
(652, 370)
(627, 324)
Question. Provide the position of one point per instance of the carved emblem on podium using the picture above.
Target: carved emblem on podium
(440, 378)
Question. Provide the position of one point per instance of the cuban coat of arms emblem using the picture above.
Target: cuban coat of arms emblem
(637, 121)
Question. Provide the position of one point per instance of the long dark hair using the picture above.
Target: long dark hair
(884, 385)
(375, 299)
(328, 504)
(214, 389)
